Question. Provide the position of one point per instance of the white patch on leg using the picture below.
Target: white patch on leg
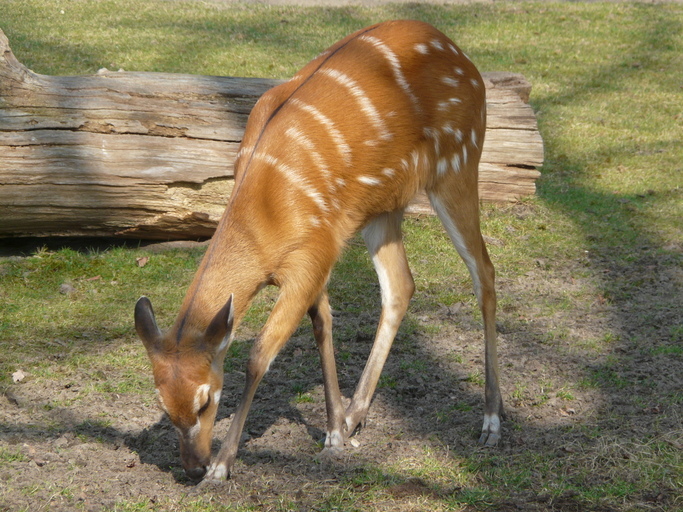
(459, 242)
(491, 424)
(217, 472)
(490, 430)
(334, 439)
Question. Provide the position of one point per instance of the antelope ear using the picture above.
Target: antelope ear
(219, 333)
(146, 325)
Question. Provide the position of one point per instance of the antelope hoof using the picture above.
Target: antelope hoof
(330, 452)
(490, 431)
(334, 441)
(216, 473)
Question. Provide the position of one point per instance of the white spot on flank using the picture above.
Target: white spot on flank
(459, 71)
(441, 166)
(450, 81)
(475, 82)
(368, 180)
(335, 134)
(421, 48)
(391, 57)
(341, 182)
(436, 44)
(453, 48)
(458, 135)
(464, 155)
(445, 105)
(388, 172)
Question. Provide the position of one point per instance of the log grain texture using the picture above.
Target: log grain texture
(150, 155)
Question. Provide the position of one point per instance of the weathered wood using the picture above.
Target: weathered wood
(150, 154)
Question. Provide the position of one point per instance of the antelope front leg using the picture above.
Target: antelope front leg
(283, 320)
(321, 316)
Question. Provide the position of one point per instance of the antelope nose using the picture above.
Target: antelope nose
(196, 473)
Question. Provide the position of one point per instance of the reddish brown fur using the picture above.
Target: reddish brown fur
(317, 164)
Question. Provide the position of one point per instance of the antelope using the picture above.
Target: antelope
(342, 147)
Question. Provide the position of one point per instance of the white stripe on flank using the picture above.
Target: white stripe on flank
(365, 104)
(336, 135)
(416, 158)
(300, 137)
(473, 137)
(394, 63)
(455, 163)
(441, 166)
(421, 48)
(368, 180)
(445, 105)
(432, 133)
(436, 44)
(296, 179)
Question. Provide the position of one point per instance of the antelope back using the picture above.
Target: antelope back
(389, 110)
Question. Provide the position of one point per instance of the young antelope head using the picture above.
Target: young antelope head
(188, 376)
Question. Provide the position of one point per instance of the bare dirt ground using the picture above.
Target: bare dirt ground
(87, 450)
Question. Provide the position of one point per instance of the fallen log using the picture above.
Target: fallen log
(149, 155)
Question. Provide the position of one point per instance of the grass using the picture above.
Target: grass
(589, 269)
